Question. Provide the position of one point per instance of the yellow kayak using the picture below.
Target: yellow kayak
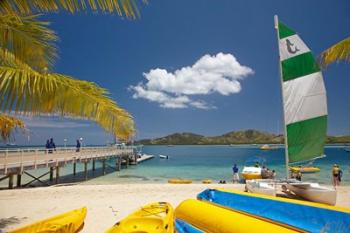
(70, 222)
(305, 169)
(179, 181)
(211, 218)
(156, 218)
(207, 181)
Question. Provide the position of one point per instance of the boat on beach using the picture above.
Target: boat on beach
(69, 222)
(252, 168)
(305, 118)
(156, 217)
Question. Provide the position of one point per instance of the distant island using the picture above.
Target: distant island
(249, 136)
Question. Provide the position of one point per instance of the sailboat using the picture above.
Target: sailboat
(305, 116)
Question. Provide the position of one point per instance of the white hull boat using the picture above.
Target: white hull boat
(266, 187)
(163, 156)
(313, 192)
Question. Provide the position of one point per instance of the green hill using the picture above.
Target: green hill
(249, 136)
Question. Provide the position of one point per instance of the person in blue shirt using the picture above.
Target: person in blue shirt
(235, 173)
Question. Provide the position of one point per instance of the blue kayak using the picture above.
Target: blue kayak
(306, 216)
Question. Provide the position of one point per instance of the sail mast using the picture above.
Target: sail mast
(284, 119)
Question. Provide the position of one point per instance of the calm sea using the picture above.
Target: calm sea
(204, 162)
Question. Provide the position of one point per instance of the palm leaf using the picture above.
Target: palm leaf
(8, 124)
(338, 52)
(25, 91)
(126, 8)
(29, 39)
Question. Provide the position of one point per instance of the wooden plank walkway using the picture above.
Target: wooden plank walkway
(18, 161)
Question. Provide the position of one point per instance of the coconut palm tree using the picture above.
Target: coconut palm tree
(28, 85)
(337, 52)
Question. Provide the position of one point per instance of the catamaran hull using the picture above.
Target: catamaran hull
(261, 187)
(316, 194)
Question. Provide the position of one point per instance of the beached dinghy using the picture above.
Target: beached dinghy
(252, 168)
(70, 222)
(194, 216)
(155, 218)
(302, 215)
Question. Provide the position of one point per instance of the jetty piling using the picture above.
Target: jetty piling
(17, 162)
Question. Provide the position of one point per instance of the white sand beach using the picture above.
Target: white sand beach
(106, 204)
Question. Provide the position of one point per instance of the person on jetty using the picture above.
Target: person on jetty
(47, 146)
(51, 146)
(235, 173)
(78, 146)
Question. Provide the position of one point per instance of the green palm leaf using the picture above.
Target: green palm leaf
(126, 8)
(8, 124)
(26, 91)
(29, 39)
(338, 52)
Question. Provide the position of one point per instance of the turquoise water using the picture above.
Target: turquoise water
(215, 162)
(201, 162)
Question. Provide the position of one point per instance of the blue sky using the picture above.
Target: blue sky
(171, 35)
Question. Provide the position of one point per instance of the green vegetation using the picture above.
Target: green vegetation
(235, 137)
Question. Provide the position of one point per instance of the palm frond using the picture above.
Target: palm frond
(29, 39)
(25, 91)
(127, 8)
(8, 124)
(337, 52)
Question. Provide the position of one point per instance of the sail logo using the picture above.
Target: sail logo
(290, 48)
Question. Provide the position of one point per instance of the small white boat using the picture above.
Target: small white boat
(313, 192)
(265, 147)
(163, 156)
(266, 187)
(250, 173)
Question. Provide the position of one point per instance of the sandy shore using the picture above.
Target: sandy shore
(106, 203)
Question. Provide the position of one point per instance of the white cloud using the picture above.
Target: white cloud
(53, 122)
(220, 73)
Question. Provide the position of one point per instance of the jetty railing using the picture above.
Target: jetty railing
(18, 161)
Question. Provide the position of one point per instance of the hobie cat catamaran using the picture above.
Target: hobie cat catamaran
(305, 115)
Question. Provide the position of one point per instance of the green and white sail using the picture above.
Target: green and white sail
(304, 97)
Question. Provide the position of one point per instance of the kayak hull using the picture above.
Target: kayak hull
(179, 181)
(69, 222)
(155, 217)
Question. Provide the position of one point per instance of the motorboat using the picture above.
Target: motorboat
(252, 168)
(164, 156)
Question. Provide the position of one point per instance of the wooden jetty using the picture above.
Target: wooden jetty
(18, 162)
